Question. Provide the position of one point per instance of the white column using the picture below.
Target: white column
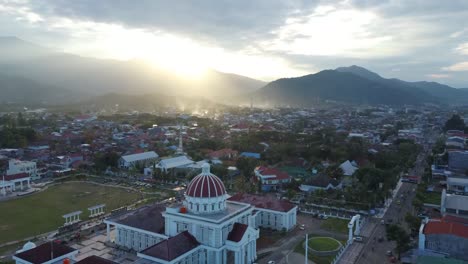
(225, 256)
(237, 257)
(108, 233)
(350, 233)
(29, 185)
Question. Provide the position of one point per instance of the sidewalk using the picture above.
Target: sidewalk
(389, 201)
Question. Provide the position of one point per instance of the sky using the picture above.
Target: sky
(265, 39)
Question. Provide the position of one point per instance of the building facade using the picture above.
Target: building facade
(17, 167)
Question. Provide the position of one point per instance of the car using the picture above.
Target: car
(301, 228)
(380, 239)
(271, 262)
(392, 259)
(382, 222)
(358, 239)
(325, 217)
(398, 202)
(302, 225)
(389, 253)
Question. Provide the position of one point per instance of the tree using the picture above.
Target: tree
(414, 222)
(399, 235)
(455, 123)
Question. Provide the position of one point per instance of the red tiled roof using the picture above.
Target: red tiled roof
(95, 260)
(455, 229)
(237, 232)
(16, 176)
(222, 153)
(205, 185)
(280, 175)
(172, 247)
(43, 253)
(264, 202)
(454, 219)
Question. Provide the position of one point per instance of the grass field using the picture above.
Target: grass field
(323, 244)
(335, 225)
(42, 212)
(316, 259)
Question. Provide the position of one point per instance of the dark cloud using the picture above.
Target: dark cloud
(230, 23)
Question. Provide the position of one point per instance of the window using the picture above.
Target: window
(212, 207)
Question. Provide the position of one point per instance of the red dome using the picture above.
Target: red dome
(205, 186)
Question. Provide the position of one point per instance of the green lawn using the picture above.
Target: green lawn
(316, 259)
(323, 244)
(42, 212)
(335, 225)
(432, 198)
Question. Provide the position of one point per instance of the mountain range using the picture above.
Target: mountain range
(356, 85)
(47, 70)
(30, 73)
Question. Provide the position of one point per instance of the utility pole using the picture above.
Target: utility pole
(306, 261)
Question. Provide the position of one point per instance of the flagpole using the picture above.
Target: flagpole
(306, 261)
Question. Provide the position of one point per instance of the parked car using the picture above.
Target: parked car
(358, 239)
(389, 253)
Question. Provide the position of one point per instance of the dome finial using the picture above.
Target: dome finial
(206, 168)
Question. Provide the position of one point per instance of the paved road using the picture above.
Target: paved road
(374, 251)
(286, 245)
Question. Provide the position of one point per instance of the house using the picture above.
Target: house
(223, 154)
(348, 168)
(271, 178)
(145, 158)
(180, 162)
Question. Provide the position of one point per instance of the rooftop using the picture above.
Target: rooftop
(237, 232)
(147, 218)
(264, 202)
(173, 247)
(446, 228)
(45, 252)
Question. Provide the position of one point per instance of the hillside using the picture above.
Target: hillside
(90, 76)
(443, 93)
(337, 86)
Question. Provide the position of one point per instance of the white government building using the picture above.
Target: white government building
(208, 227)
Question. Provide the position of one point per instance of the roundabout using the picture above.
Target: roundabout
(323, 246)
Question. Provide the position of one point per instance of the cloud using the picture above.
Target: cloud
(462, 48)
(458, 67)
(293, 37)
(438, 76)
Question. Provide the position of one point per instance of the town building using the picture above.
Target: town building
(130, 161)
(47, 253)
(458, 160)
(18, 166)
(207, 227)
(271, 178)
(447, 235)
(169, 164)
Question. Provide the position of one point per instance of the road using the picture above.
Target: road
(375, 251)
(285, 246)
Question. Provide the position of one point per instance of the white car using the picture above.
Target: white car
(358, 239)
(271, 262)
